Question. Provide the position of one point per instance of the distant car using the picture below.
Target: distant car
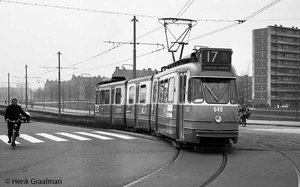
(23, 118)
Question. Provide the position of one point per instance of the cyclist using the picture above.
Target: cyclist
(245, 113)
(13, 112)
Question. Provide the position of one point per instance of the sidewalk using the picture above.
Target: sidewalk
(274, 123)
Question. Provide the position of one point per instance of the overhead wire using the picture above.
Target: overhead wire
(262, 9)
(238, 22)
(78, 9)
(184, 8)
(118, 62)
(181, 12)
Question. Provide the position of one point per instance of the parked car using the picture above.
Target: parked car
(23, 118)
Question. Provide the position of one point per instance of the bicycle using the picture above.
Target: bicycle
(14, 134)
(242, 122)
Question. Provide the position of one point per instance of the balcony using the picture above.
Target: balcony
(285, 50)
(276, 65)
(276, 73)
(277, 33)
(284, 90)
(284, 82)
(285, 98)
(276, 57)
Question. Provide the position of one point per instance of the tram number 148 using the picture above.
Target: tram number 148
(218, 109)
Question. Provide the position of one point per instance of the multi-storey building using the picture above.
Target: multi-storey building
(276, 66)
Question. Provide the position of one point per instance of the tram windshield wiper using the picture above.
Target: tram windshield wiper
(211, 93)
(223, 91)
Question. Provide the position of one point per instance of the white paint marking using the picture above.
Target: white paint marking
(115, 135)
(30, 138)
(49, 136)
(95, 135)
(4, 138)
(73, 136)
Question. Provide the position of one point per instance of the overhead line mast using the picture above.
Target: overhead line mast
(134, 45)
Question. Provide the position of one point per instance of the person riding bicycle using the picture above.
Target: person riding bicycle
(13, 112)
(245, 113)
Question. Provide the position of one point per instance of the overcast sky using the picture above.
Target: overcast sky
(33, 35)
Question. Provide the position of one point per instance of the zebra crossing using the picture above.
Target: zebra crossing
(67, 136)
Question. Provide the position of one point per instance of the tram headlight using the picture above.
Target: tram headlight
(218, 119)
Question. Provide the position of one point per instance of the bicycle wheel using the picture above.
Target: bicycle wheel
(13, 141)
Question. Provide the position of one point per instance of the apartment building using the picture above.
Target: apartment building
(276, 66)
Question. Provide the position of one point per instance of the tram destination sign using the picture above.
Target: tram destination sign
(216, 59)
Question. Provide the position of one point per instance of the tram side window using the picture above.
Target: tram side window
(195, 93)
(102, 96)
(131, 94)
(97, 97)
(143, 91)
(166, 89)
(107, 96)
(137, 93)
(171, 90)
(184, 87)
(118, 95)
(112, 96)
(154, 91)
(233, 93)
(161, 91)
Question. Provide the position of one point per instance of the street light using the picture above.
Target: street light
(89, 89)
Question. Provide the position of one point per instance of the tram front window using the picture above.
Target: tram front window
(216, 90)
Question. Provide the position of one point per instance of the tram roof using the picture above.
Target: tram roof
(140, 79)
(196, 70)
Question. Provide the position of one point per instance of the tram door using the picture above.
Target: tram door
(180, 111)
(112, 101)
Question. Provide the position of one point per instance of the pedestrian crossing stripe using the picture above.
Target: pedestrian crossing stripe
(51, 137)
(30, 138)
(4, 138)
(95, 135)
(75, 135)
(290, 131)
(116, 135)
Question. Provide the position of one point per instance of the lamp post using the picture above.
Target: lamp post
(89, 92)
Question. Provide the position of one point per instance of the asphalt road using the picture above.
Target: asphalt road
(72, 156)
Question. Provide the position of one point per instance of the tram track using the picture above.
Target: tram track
(176, 156)
(292, 163)
(218, 172)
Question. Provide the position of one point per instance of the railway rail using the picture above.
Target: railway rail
(280, 146)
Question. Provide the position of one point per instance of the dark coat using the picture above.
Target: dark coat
(13, 112)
